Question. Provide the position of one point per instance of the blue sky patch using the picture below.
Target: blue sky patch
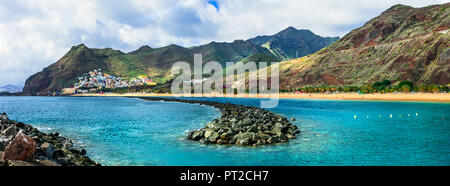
(214, 3)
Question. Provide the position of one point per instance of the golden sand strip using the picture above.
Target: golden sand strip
(433, 97)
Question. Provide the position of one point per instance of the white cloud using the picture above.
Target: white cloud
(34, 34)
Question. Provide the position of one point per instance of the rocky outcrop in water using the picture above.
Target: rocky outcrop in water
(23, 145)
(240, 125)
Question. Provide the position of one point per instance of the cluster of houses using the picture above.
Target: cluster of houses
(95, 80)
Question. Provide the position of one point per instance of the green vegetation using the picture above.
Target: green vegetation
(384, 86)
(378, 87)
(394, 45)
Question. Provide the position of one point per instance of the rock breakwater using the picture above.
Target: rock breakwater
(240, 125)
(23, 145)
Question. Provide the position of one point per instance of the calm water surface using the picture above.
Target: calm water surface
(130, 131)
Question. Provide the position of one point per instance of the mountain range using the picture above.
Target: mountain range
(292, 43)
(286, 44)
(402, 43)
(11, 88)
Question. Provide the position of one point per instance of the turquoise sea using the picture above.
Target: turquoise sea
(131, 131)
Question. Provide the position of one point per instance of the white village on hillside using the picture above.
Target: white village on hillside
(96, 80)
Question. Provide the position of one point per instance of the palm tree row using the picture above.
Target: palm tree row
(384, 86)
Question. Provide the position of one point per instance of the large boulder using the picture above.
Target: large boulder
(246, 122)
(47, 148)
(272, 139)
(197, 135)
(236, 126)
(279, 129)
(10, 131)
(262, 136)
(21, 147)
(3, 143)
(211, 135)
(67, 143)
(83, 161)
(47, 163)
(2, 162)
(243, 141)
(216, 125)
(20, 163)
(4, 117)
(252, 128)
(244, 138)
(290, 136)
(226, 136)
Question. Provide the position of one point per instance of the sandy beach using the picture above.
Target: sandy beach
(432, 97)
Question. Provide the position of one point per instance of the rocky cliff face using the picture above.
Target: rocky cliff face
(64, 72)
(403, 43)
(158, 61)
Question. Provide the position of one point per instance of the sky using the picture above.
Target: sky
(35, 34)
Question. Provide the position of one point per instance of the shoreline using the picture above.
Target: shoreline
(416, 97)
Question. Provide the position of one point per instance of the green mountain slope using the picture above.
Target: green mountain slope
(154, 62)
(403, 43)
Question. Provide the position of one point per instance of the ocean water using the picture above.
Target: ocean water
(131, 131)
